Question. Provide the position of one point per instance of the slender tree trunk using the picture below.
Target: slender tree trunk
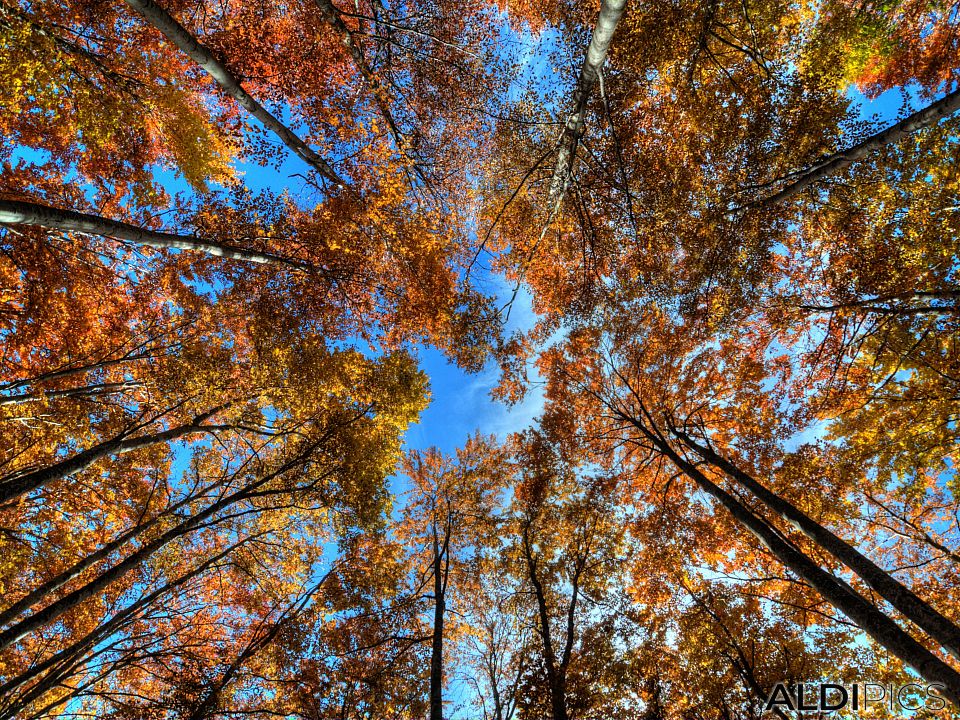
(54, 610)
(14, 212)
(741, 664)
(491, 668)
(17, 486)
(946, 633)
(873, 622)
(179, 36)
(610, 13)
(436, 645)
(800, 181)
(49, 587)
(261, 640)
(380, 94)
(51, 612)
(555, 675)
(85, 391)
(902, 311)
(141, 352)
(880, 304)
(57, 582)
(66, 660)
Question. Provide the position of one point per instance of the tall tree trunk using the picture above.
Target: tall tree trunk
(555, 674)
(436, 644)
(379, 92)
(60, 665)
(741, 664)
(262, 638)
(889, 588)
(799, 181)
(838, 593)
(15, 212)
(73, 599)
(141, 352)
(49, 587)
(15, 487)
(179, 36)
(95, 390)
(610, 13)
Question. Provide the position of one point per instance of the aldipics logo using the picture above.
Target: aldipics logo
(858, 697)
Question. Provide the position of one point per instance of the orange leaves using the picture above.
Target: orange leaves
(914, 40)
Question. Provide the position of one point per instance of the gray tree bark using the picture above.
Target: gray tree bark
(179, 36)
(610, 13)
(800, 181)
(838, 593)
(946, 633)
(18, 485)
(51, 612)
(13, 212)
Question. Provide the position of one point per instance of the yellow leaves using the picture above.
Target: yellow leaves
(74, 101)
(32, 75)
(201, 151)
(16, 71)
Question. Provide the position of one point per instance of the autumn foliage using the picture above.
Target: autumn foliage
(228, 233)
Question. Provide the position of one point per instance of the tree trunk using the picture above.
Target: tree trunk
(74, 571)
(17, 486)
(436, 645)
(84, 391)
(555, 674)
(51, 612)
(741, 664)
(39, 593)
(13, 212)
(873, 622)
(889, 588)
(179, 36)
(610, 14)
(800, 181)
(67, 658)
(206, 704)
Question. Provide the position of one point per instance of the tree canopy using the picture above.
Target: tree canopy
(229, 234)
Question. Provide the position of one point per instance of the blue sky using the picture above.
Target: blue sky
(460, 403)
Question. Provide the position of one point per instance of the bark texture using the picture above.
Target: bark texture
(14, 212)
(838, 593)
(179, 36)
(886, 586)
(14, 487)
(800, 181)
(610, 13)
